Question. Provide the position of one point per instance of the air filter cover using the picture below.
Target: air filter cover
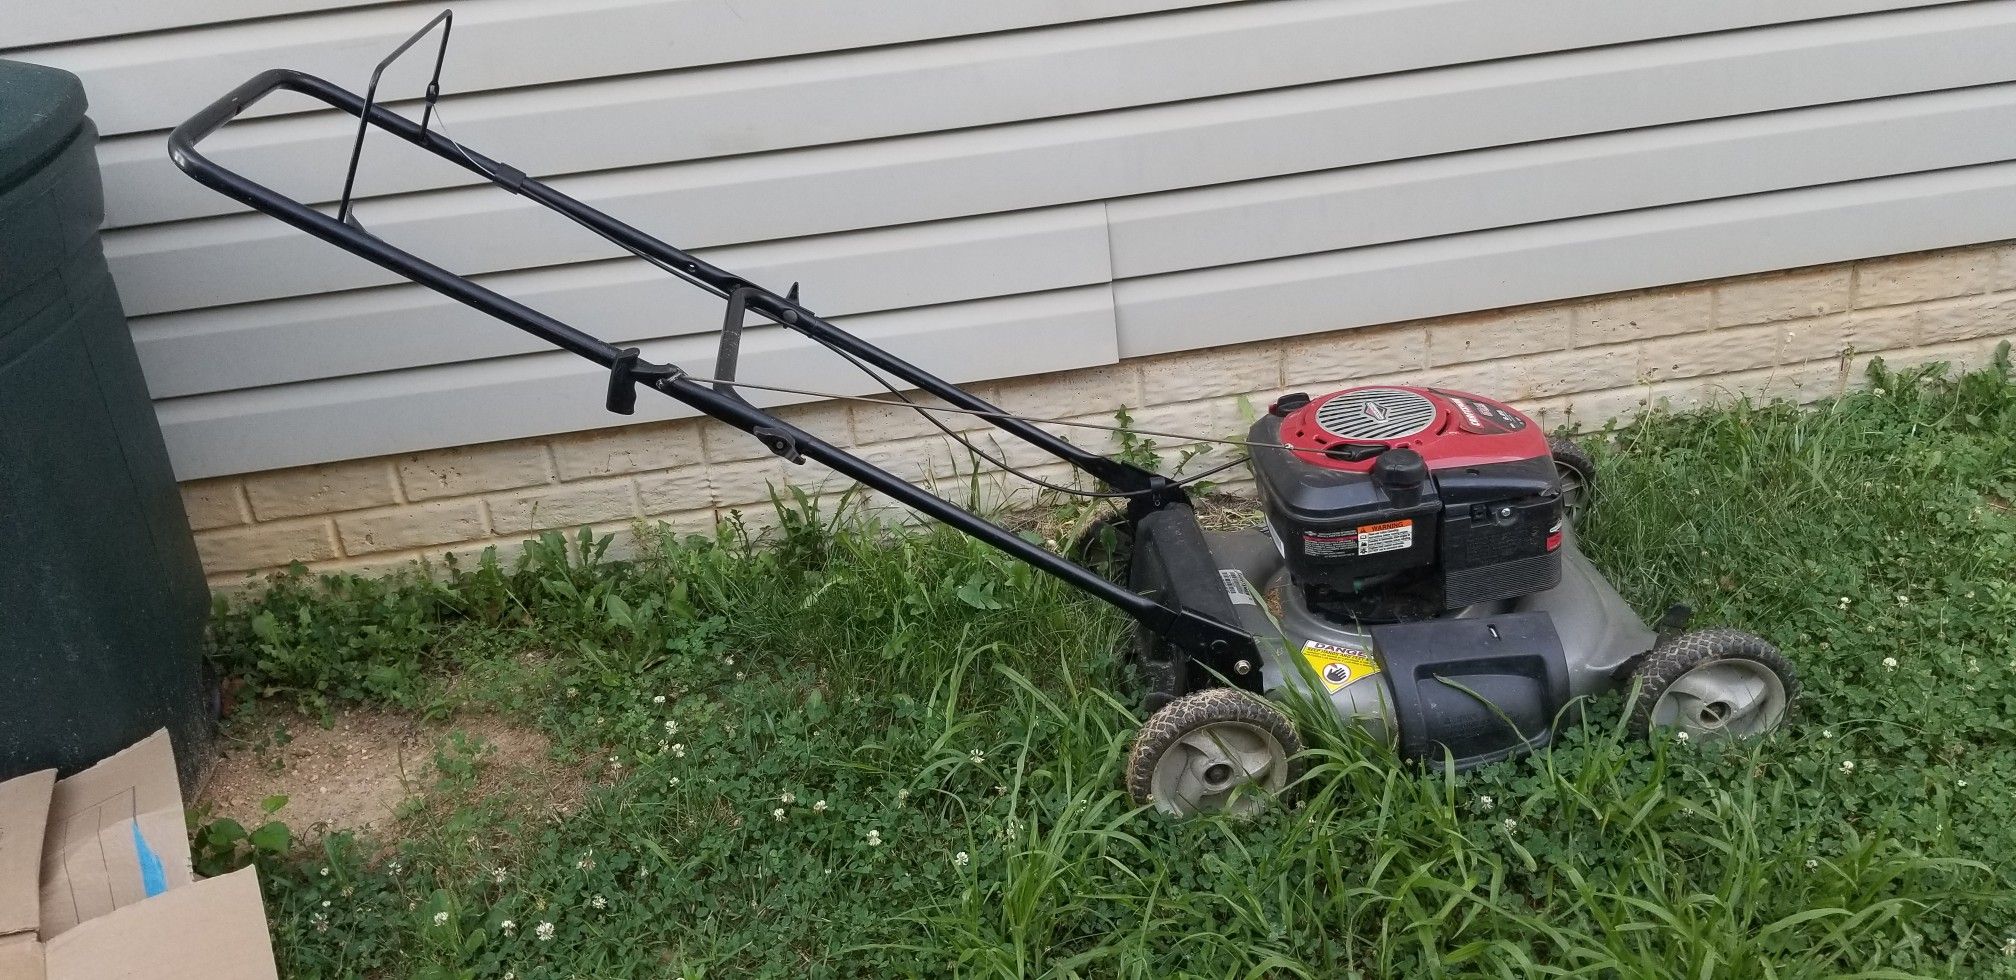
(1348, 429)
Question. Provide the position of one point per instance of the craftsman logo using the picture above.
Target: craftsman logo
(1337, 666)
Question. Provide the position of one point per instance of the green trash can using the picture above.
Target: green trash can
(102, 599)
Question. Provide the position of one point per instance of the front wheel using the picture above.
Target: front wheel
(1713, 683)
(1220, 750)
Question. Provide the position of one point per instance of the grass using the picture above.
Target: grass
(889, 754)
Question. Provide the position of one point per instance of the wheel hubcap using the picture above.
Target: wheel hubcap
(1221, 766)
(1574, 489)
(1723, 698)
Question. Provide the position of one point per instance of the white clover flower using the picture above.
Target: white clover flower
(1878, 392)
(786, 798)
(510, 975)
(507, 927)
(587, 861)
(499, 875)
(543, 930)
(1962, 784)
(1844, 602)
(819, 807)
(1889, 663)
(977, 756)
(1847, 766)
(678, 750)
(739, 675)
(320, 921)
(902, 795)
(324, 872)
(392, 866)
(573, 692)
(1486, 803)
(874, 838)
(674, 781)
(599, 902)
(671, 728)
(1680, 736)
(960, 859)
(1812, 863)
(777, 814)
(730, 661)
(1903, 600)
(441, 918)
(1511, 825)
(325, 903)
(1826, 733)
(660, 699)
(2009, 946)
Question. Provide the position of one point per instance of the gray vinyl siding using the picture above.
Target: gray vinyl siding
(997, 189)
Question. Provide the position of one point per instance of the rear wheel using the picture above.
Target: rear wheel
(1577, 470)
(1221, 750)
(1105, 545)
(1713, 683)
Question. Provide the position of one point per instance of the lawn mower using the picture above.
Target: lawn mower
(1416, 568)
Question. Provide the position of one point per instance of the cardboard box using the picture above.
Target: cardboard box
(95, 882)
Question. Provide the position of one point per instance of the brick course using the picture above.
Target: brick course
(1799, 335)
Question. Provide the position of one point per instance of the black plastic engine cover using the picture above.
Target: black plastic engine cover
(1468, 534)
(1496, 523)
(1317, 517)
(1439, 669)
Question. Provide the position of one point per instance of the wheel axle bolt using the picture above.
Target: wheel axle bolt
(1243, 667)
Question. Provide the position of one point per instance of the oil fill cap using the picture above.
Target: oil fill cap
(1400, 469)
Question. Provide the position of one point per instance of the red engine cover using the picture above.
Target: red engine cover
(1448, 428)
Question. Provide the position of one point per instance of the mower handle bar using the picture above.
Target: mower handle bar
(1219, 645)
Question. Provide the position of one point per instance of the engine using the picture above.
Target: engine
(1398, 503)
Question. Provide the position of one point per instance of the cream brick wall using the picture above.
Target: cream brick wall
(1799, 335)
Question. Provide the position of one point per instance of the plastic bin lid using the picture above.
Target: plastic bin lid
(40, 110)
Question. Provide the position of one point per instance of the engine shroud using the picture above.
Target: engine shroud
(1395, 502)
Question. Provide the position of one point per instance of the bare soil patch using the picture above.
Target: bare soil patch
(371, 769)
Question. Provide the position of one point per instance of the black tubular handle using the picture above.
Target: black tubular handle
(1218, 643)
(182, 150)
(212, 117)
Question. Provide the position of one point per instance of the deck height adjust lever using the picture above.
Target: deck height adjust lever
(777, 440)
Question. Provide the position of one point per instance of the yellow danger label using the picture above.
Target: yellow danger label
(1339, 667)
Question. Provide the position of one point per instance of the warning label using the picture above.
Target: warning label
(1235, 587)
(1339, 667)
(1390, 536)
